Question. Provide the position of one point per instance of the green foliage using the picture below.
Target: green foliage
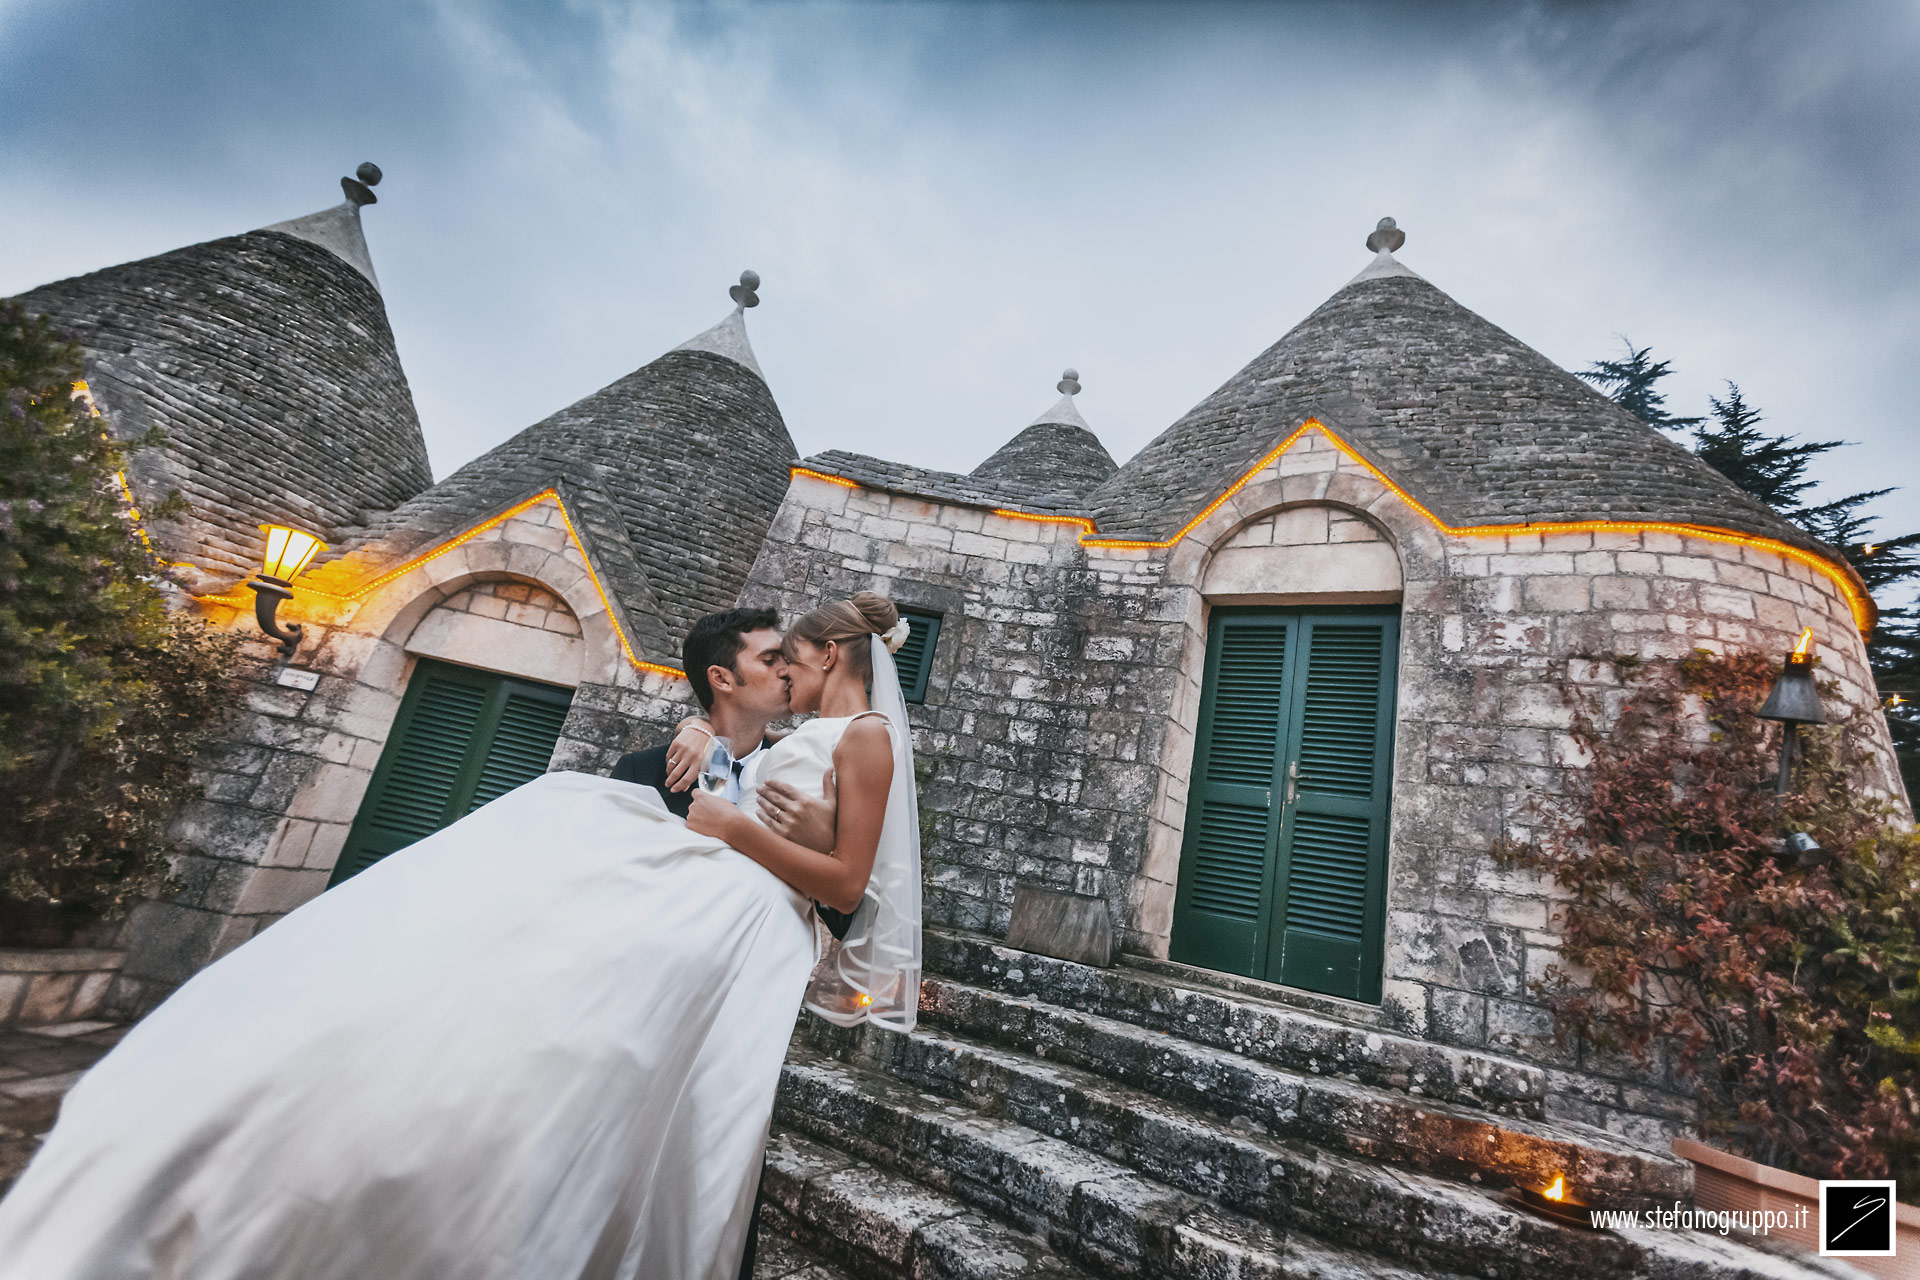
(105, 693)
(1771, 468)
(1633, 384)
(1789, 993)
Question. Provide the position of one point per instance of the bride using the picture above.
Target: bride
(540, 1044)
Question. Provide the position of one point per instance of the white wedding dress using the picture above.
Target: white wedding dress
(541, 1044)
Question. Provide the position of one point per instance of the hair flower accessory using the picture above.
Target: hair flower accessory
(896, 635)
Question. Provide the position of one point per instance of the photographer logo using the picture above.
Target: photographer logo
(1856, 1219)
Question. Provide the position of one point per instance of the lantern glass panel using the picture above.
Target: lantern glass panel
(289, 551)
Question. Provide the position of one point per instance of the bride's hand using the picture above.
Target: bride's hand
(688, 752)
(803, 819)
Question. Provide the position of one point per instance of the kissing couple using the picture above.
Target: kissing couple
(540, 1044)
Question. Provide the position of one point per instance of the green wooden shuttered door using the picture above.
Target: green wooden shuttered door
(462, 737)
(1283, 873)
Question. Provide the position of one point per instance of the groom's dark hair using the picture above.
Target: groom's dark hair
(716, 641)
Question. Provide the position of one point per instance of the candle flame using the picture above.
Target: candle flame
(1558, 1191)
(865, 1000)
(1803, 646)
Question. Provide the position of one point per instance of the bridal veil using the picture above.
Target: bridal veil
(874, 975)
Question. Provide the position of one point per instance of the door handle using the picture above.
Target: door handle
(1293, 781)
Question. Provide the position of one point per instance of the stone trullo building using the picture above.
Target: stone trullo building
(1260, 699)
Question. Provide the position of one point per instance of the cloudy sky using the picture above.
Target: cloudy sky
(949, 202)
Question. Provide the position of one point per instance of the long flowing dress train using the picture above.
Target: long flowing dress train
(541, 1044)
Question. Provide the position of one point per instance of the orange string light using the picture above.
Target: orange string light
(1858, 600)
(1079, 522)
(408, 566)
(811, 474)
(133, 514)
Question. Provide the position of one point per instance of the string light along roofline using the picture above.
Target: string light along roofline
(1865, 613)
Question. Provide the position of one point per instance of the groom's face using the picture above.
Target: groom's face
(759, 684)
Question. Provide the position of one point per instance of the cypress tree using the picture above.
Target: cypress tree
(1771, 468)
(1632, 383)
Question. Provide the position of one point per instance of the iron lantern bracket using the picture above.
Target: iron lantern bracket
(268, 592)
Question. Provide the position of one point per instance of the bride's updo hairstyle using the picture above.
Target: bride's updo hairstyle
(866, 614)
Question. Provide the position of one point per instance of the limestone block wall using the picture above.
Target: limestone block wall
(1048, 690)
(521, 629)
(283, 784)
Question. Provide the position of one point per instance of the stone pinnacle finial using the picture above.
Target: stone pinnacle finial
(359, 189)
(1069, 383)
(1386, 237)
(743, 293)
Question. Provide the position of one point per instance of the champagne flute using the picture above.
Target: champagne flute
(717, 775)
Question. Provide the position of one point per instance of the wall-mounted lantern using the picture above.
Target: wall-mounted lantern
(288, 552)
(1793, 701)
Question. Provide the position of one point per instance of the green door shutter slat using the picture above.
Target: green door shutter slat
(915, 659)
(1229, 871)
(1333, 846)
(413, 787)
(1342, 710)
(462, 737)
(1327, 890)
(1220, 907)
(522, 746)
(1246, 711)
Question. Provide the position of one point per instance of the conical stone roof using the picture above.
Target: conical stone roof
(1047, 469)
(1054, 461)
(1475, 424)
(268, 360)
(1050, 462)
(675, 472)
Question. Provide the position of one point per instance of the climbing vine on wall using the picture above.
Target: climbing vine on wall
(1786, 989)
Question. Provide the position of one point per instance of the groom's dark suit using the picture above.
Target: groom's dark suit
(649, 769)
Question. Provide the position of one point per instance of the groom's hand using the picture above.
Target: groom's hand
(803, 819)
(709, 815)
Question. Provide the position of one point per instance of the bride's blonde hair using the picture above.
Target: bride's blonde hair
(867, 613)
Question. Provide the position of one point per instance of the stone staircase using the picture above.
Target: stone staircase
(1051, 1119)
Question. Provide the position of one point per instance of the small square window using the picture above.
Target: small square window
(915, 658)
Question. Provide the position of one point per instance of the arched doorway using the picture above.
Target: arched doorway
(1283, 864)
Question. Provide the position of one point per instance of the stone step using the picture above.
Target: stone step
(1109, 1217)
(1289, 1200)
(878, 1225)
(1264, 1030)
(779, 1258)
(1384, 1124)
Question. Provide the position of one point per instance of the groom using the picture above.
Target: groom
(734, 662)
